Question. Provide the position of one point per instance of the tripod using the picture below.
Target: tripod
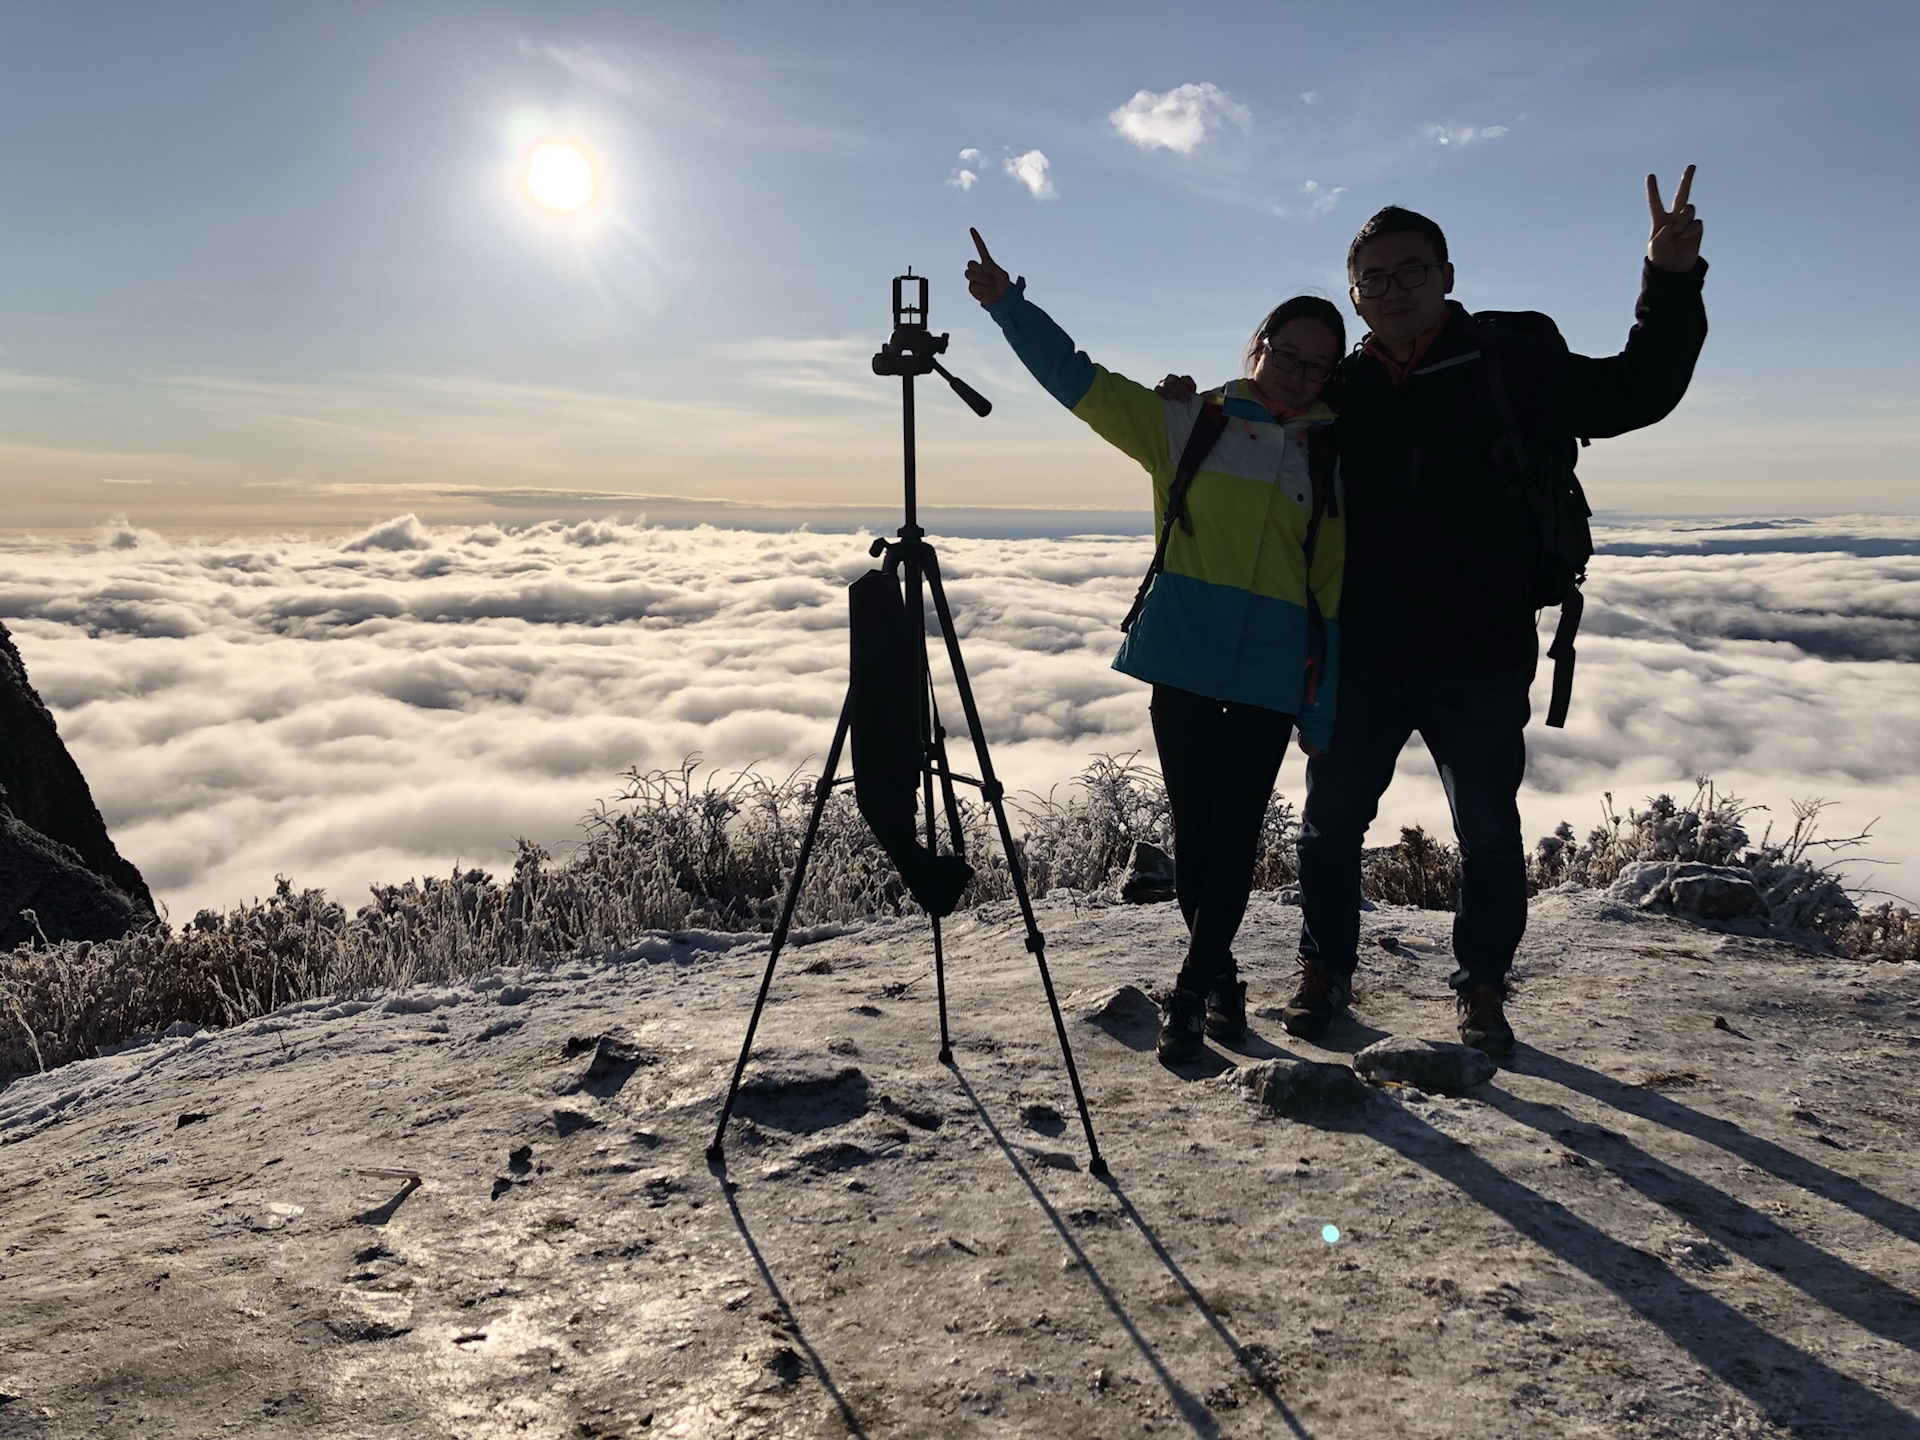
(910, 352)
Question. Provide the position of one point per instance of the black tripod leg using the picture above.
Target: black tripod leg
(991, 791)
(940, 987)
(939, 761)
(715, 1151)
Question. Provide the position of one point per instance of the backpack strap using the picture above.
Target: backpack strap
(1512, 453)
(1208, 426)
(1322, 458)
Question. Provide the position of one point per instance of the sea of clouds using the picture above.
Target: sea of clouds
(342, 711)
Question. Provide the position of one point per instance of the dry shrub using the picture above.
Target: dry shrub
(678, 850)
(1886, 932)
(1709, 829)
(1796, 873)
(1083, 841)
(1419, 871)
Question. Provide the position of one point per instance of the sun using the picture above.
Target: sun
(559, 177)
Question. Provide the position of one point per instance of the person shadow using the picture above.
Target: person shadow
(1784, 1164)
(1783, 1380)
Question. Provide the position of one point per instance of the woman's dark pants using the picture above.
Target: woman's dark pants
(1219, 759)
(1474, 727)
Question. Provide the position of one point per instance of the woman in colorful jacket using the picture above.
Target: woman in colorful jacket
(1239, 635)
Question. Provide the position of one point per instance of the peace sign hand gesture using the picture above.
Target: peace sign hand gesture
(1675, 242)
(986, 281)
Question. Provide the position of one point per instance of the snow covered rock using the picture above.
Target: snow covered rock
(1436, 1065)
(1691, 890)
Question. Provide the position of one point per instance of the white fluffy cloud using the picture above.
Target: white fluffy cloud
(1178, 119)
(344, 712)
(1463, 134)
(967, 173)
(1030, 170)
(1319, 200)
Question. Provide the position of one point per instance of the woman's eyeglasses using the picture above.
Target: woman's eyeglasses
(1288, 363)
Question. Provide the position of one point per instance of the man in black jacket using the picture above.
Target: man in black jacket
(1438, 615)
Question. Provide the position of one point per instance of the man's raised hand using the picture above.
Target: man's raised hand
(1675, 242)
(986, 281)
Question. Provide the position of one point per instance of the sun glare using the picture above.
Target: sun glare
(559, 177)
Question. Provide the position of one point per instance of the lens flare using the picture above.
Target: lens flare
(1330, 1234)
(559, 177)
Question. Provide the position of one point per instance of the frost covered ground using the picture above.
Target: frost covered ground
(1687, 1209)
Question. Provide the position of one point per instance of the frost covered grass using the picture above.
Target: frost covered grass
(680, 850)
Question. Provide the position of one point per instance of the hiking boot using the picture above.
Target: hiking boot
(1319, 1001)
(1227, 1010)
(1181, 1027)
(1483, 1021)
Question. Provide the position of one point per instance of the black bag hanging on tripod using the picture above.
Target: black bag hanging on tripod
(888, 753)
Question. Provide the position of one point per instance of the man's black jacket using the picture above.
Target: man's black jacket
(1440, 548)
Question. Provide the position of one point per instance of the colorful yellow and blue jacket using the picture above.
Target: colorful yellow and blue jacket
(1228, 615)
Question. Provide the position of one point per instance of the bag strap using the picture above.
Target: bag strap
(1208, 426)
(1510, 448)
(1321, 460)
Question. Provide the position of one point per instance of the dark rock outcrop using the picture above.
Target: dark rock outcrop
(1149, 878)
(67, 900)
(44, 790)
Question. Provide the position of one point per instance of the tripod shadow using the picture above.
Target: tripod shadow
(1769, 1371)
(381, 1214)
(1811, 1176)
(791, 1321)
(1190, 1407)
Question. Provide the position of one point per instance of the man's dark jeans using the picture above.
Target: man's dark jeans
(1474, 726)
(1219, 760)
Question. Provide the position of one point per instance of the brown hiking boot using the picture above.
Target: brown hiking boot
(1318, 1002)
(1483, 1020)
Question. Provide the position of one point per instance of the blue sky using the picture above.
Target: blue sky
(274, 266)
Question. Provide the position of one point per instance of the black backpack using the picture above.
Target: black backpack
(1538, 461)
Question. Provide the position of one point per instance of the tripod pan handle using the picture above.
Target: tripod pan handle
(976, 402)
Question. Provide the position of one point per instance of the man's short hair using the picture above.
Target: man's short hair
(1395, 220)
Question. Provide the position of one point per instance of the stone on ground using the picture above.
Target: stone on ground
(1303, 1089)
(1436, 1065)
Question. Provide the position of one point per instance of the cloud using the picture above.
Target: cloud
(1463, 134)
(24, 383)
(604, 68)
(1319, 200)
(403, 532)
(264, 705)
(1178, 119)
(967, 172)
(1310, 97)
(1030, 170)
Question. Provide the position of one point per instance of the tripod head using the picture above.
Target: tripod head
(910, 350)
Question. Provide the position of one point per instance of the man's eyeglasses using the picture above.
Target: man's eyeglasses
(1288, 363)
(1407, 277)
